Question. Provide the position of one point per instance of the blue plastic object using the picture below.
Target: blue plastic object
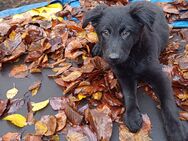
(9, 12)
(76, 3)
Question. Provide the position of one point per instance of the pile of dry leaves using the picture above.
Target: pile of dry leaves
(91, 99)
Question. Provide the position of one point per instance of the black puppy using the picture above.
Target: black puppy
(131, 39)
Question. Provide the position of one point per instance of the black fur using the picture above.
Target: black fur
(130, 40)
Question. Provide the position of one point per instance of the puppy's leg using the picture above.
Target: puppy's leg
(133, 118)
(162, 87)
(96, 50)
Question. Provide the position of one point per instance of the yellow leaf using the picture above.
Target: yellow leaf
(97, 95)
(81, 96)
(40, 128)
(82, 34)
(34, 91)
(92, 37)
(12, 35)
(55, 138)
(40, 105)
(16, 119)
(11, 93)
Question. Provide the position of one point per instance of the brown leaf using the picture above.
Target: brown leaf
(169, 8)
(11, 136)
(56, 102)
(142, 135)
(51, 124)
(30, 137)
(70, 50)
(73, 116)
(19, 71)
(72, 76)
(4, 28)
(111, 100)
(183, 115)
(17, 53)
(3, 105)
(33, 56)
(76, 134)
(35, 87)
(100, 122)
(15, 105)
(61, 120)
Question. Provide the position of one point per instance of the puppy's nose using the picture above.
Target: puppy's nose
(114, 56)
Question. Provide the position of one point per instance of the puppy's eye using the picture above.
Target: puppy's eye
(125, 34)
(105, 33)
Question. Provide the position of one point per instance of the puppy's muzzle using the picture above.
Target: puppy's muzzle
(113, 57)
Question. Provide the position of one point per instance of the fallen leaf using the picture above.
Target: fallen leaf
(183, 115)
(11, 136)
(169, 8)
(3, 105)
(100, 122)
(40, 105)
(92, 37)
(30, 137)
(16, 119)
(61, 120)
(72, 76)
(76, 134)
(56, 103)
(4, 28)
(15, 105)
(142, 135)
(55, 138)
(40, 128)
(87, 131)
(51, 124)
(97, 95)
(12, 93)
(35, 87)
(73, 116)
(81, 96)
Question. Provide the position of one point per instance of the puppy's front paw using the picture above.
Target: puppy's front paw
(175, 131)
(134, 120)
(96, 50)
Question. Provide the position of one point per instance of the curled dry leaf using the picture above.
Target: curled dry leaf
(40, 105)
(19, 71)
(72, 76)
(51, 124)
(35, 87)
(61, 120)
(11, 136)
(142, 135)
(71, 49)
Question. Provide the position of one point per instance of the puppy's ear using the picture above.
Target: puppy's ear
(94, 15)
(143, 13)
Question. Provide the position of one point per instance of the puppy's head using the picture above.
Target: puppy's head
(119, 28)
